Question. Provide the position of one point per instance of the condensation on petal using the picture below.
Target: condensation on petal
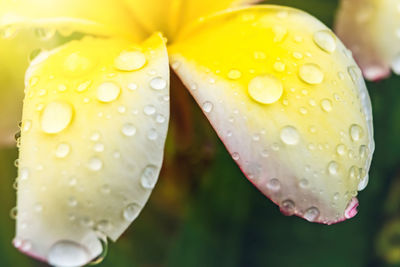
(86, 156)
(297, 119)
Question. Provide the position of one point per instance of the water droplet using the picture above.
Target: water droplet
(290, 135)
(355, 73)
(149, 177)
(333, 168)
(279, 66)
(325, 40)
(326, 105)
(132, 86)
(14, 213)
(356, 132)
(234, 74)
(26, 126)
(129, 129)
(341, 150)
(266, 89)
(311, 214)
(160, 118)
(149, 110)
(68, 253)
(236, 156)
(288, 207)
(45, 33)
(62, 150)
(77, 64)
(83, 86)
(98, 147)
(95, 164)
(274, 185)
(131, 211)
(152, 134)
(158, 83)
(56, 117)
(303, 183)
(311, 74)
(130, 61)
(208, 107)
(108, 92)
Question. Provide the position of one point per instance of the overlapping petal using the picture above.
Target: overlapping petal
(288, 101)
(95, 119)
(101, 17)
(371, 29)
(169, 16)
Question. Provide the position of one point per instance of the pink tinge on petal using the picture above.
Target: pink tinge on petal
(376, 73)
(25, 247)
(351, 210)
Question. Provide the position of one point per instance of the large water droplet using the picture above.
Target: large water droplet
(288, 207)
(311, 74)
(68, 254)
(290, 135)
(326, 105)
(56, 117)
(130, 61)
(333, 167)
(325, 40)
(149, 177)
(131, 211)
(129, 129)
(266, 89)
(108, 92)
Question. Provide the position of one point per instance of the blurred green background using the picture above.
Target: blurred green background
(205, 213)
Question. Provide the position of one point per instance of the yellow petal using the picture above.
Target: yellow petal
(371, 29)
(101, 17)
(289, 103)
(92, 140)
(15, 52)
(169, 16)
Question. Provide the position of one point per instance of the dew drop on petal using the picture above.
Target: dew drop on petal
(333, 168)
(128, 129)
(325, 40)
(56, 117)
(274, 185)
(62, 150)
(326, 105)
(356, 132)
(67, 253)
(108, 92)
(311, 214)
(95, 164)
(234, 74)
(158, 83)
(288, 207)
(130, 61)
(311, 74)
(266, 89)
(290, 135)
(131, 211)
(207, 107)
(149, 177)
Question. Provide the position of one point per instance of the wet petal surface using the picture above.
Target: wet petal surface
(288, 101)
(90, 155)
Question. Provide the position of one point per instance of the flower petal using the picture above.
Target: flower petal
(101, 17)
(169, 16)
(371, 29)
(289, 103)
(94, 124)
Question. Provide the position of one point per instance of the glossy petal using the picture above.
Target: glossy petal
(371, 29)
(289, 103)
(169, 16)
(95, 120)
(101, 17)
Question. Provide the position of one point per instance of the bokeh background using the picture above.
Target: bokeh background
(205, 213)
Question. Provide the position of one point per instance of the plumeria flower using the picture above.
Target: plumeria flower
(371, 29)
(280, 89)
